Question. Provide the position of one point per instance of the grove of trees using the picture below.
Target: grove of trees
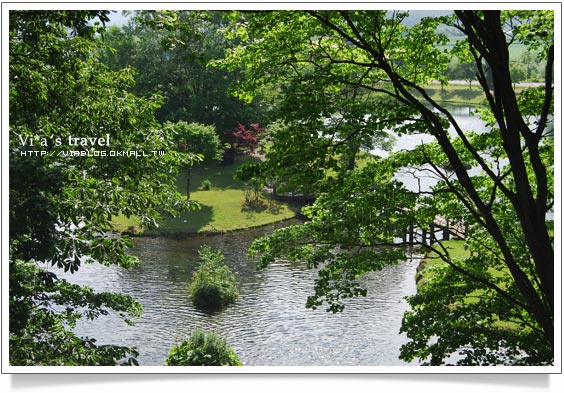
(170, 53)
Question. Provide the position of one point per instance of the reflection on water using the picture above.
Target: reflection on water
(268, 325)
(423, 180)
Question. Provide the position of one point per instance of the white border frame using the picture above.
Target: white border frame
(220, 5)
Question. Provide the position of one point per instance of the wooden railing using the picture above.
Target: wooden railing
(441, 225)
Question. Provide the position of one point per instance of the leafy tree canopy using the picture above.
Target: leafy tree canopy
(345, 77)
(197, 140)
(61, 204)
(170, 52)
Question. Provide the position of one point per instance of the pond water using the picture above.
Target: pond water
(423, 180)
(268, 325)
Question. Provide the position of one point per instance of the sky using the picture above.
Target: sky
(116, 18)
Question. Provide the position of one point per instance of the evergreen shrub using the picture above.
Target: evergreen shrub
(202, 349)
(213, 285)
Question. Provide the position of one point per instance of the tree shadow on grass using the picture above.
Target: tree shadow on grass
(260, 203)
(465, 95)
(220, 176)
(186, 223)
(468, 94)
(198, 219)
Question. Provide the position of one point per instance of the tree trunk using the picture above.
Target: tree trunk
(488, 38)
(188, 183)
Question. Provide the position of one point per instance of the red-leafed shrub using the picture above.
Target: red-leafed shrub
(247, 139)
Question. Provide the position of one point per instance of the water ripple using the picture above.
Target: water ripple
(269, 325)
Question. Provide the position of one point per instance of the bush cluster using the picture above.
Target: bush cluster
(213, 284)
(206, 185)
(202, 349)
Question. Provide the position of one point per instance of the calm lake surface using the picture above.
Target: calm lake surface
(269, 324)
(423, 180)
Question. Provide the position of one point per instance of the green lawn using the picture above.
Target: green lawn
(516, 50)
(456, 250)
(222, 209)
(424, 271)
(457, 94)
(466, 93)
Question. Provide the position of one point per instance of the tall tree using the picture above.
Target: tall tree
(196, 140)
(71, 120)
(171, 52)
(506, 207)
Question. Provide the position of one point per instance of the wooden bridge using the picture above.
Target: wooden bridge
(441, 225)
(413, 235)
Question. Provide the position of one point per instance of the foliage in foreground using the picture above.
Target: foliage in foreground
(61, 204)
(344, 76)
(202, 349)
(451, 309)
(213, 285)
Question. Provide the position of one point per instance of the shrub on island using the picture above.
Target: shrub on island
(213, 285)
(202, 349)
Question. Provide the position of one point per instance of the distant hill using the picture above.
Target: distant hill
(416, 15)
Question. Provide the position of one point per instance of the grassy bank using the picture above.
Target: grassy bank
(425, 272)
(463, 93)
(425, 268)
(457, 251)
(223, 206)
(457, 94)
